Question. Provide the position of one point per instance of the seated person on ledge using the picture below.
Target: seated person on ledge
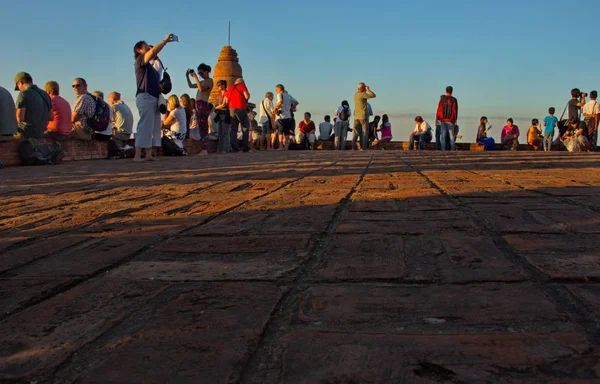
(107, 133)
(421, 134)
(8, 116)
(326, 129)
(59, 129)
(575, 138)
(385, 129)
(306, 131)
(510, 135)
(83, 109)
(534, 135)
(488, 142)
(122, 121)
(34, 108)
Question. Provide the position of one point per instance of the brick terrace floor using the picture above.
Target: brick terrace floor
(303, 267)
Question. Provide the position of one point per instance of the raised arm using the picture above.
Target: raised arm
(190, 84)
(152, 53)
(371, 93)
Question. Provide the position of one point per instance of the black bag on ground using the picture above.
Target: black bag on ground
(170, 148)
(117, 149)
(33, 153)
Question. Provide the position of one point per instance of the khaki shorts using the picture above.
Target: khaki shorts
(82, 133)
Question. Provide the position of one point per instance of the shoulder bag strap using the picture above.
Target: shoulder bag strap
(161, 64)
(238, 91)
(565, 110)
(43, 98)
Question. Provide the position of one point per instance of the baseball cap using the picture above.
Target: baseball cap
(20, 76)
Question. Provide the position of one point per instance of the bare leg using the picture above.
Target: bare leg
(138, 155)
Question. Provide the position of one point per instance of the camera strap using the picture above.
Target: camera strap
(565, 110)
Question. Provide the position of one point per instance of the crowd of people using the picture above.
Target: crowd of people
(231, 126)
(578, 133)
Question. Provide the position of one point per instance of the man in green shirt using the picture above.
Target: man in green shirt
(34, 108)
(361, 116)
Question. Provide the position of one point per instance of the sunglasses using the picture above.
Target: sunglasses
(76, 85)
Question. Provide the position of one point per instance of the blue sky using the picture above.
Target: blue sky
(509, 58)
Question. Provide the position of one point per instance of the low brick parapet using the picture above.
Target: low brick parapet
(76, 149)
(92, 150)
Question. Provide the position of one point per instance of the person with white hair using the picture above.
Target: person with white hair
(283, 110)
(122, 122)
(361, 116)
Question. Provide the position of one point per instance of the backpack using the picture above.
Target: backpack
(170, 148)
(33, 153)
(99, 122)
(345, 114)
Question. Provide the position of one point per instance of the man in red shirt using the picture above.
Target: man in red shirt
(237, 98)
(306, 131)
(60, 128)
(447, 114)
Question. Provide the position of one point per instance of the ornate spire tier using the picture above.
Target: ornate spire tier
(228, 68)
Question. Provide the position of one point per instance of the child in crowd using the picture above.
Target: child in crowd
(256, 132)
(534, 135)
(175, 122)
(550, 123)
(488, 142)
(510, 135)
(385, 129)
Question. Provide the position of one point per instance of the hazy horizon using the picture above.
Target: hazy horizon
(503, 59)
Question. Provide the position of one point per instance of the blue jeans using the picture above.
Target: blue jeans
(341, 132)
(447, 131)
(422, 139)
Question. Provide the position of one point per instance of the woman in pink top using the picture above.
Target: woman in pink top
(510, 135)
(60, 128)
(386, 130)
